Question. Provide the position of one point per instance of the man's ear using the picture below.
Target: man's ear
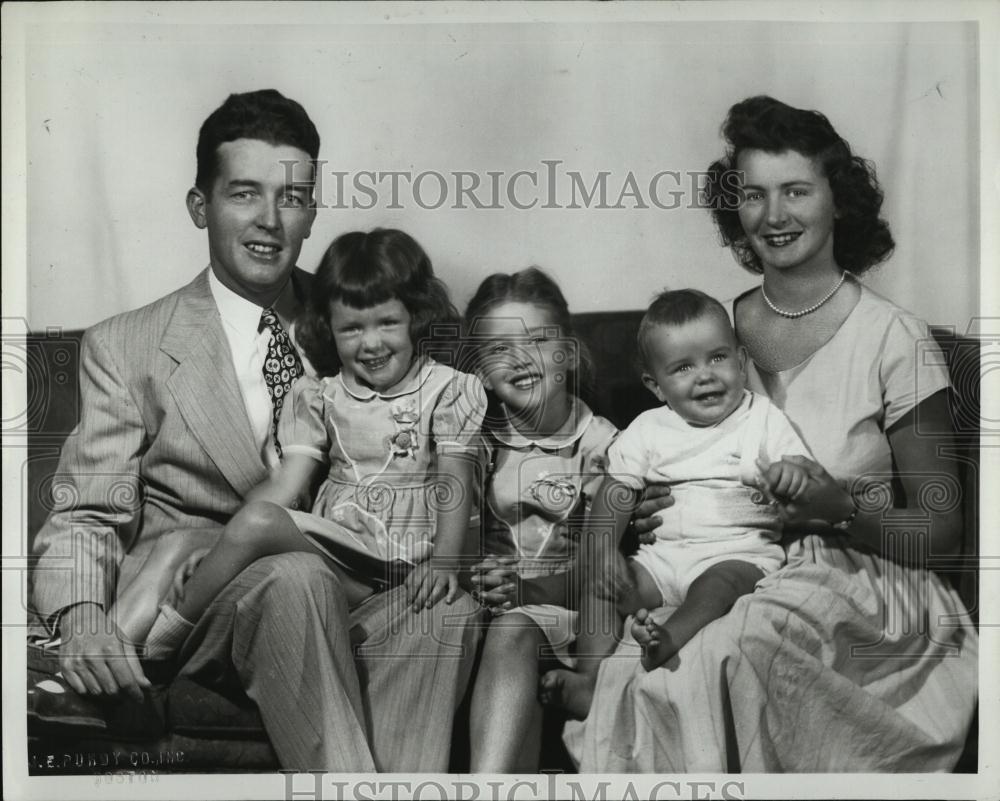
(196, 202)
(653, 387)
(312, 219)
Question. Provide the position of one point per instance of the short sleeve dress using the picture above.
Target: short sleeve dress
(382, 451)
(841, 660)
(537, 493)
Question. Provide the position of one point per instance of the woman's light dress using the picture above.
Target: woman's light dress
(841, 660)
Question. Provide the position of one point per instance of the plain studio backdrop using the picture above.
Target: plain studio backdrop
(102, 104)
(113, 110)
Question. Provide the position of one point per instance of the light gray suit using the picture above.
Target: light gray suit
(163, 444)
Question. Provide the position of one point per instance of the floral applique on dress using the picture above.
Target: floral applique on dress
(552, 492)
(406, 416)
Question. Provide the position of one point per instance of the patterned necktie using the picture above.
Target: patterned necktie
(281, 366)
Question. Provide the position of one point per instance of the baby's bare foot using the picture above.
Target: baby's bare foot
(567, 690)
(657, 644)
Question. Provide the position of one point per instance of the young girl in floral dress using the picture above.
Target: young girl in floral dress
(386, 432)
(547, 458)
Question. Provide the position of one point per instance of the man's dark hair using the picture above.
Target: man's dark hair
(265, 114)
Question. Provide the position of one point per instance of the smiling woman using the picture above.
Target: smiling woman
(786, 681)
(788, 213)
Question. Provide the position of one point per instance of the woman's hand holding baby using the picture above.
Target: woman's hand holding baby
(806, 493)
(785, 480)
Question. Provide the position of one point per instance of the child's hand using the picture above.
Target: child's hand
(495, 582)
(785, 480)
(430, 581)
(823, 502)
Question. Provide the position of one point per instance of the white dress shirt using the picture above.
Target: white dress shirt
(248, 348)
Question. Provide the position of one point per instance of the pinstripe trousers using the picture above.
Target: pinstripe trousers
(372, 688)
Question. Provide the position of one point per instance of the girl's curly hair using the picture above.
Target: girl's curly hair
(861, 239)
(363, 270)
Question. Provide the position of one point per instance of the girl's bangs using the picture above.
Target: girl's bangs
(362, 286)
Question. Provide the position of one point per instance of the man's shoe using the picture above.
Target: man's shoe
(52, 704)
(55, 708)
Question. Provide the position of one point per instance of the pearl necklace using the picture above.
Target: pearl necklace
(810, 309)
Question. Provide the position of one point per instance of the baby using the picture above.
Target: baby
(720, 448)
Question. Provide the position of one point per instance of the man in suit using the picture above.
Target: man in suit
(177, 424)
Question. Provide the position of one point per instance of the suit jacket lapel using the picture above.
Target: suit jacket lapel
(205, 389)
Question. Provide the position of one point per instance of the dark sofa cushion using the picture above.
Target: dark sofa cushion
(615, 390)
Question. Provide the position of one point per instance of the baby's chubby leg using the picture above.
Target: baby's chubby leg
(709, 597)
(647, 632)
(573, 690)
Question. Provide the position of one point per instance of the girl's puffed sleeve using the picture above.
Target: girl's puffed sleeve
(596, 441)
(458, 414)
(301, 427)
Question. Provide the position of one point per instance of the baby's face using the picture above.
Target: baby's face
(696, 368)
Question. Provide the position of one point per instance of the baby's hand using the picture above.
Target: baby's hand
(784, 480)
(430, 581)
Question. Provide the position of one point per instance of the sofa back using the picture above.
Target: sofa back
(53, 407)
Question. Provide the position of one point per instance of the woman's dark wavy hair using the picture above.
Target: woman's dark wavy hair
(861, 239)
(363, 270)
(533, 286)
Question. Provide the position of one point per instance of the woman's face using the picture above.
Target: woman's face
(788, 211)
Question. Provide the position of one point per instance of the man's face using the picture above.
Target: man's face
(258, 213)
